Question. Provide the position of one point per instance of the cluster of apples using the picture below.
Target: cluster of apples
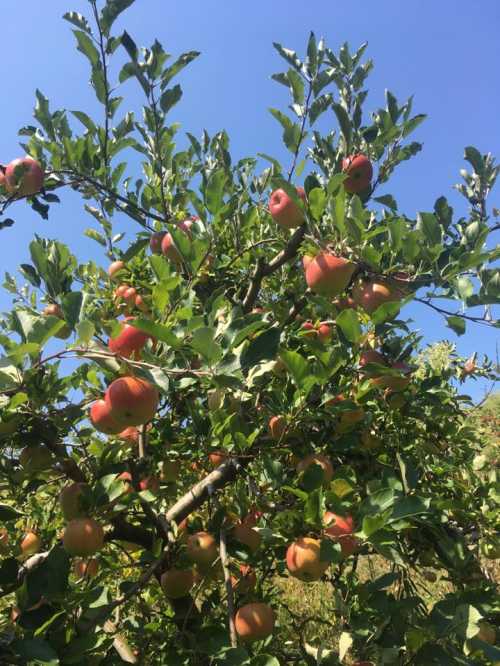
(253, 621)
(83, 536)
(162, 242)
(327, 274)
(125, 295)
(23, 176)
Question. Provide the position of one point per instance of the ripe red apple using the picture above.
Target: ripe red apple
(129, 435)
(306, 260)
(30, 543)
(176, 583)
(284, 211)
(126, 478)
(120, 291)
(155, 241)
(317, 459)
(151, 483)
(360, 172)
(24, 176)
(170, 470)
(54, 310)
(141, 304)
(324, 332)
(86, 568)
(303, 560)
(72, 500)
(130, 341)
(115, 267)
(341, 529)
(129, 296)
(254, 622)
(102, 418)
(328, 274)
(217, 457)
(132, 401)
(83, 537)
(201, 548)
(245, 580)
(35, 459)
(277, 427)
(247, 536)
(168, 247)
(309, 329)
(370, 295)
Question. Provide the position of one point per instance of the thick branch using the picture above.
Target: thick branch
(262, 269)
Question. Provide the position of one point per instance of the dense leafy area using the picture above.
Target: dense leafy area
(230, 353)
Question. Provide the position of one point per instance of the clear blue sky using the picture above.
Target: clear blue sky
(445, 53)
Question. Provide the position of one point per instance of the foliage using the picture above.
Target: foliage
(230, 353)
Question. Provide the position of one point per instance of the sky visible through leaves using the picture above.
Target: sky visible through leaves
(446, 54)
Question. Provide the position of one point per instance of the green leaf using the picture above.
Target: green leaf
(473, 156)
(316, 199)
(430, 227)
(372, 524)
(330, 551)
(319, 106)
(263, 348)
(344, 123)
(291, 130)
(214, 192)
(348, 322)
(158, 331)
(177, 66)
(409, 506)
(134, 249)
(457, 324)
(264, 660)
(312, 55)
(86, 121)
(50, 578)
(8, 513)
(35, 649)
(204, 343)
(387, 200)
(170, 98)
(111, 11)
(86, 46)
(289, 55)
(77, 19)
(30, 274)
(296, 86)
(297, 365)
(71, 305)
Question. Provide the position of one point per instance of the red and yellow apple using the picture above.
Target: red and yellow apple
(328, 274)
(284, 210)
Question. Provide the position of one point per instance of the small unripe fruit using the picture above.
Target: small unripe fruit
(254, 622)
(216, 458)
(324, 333)
(303, 559)
(83, 537)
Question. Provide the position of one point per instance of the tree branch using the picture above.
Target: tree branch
(229, 587)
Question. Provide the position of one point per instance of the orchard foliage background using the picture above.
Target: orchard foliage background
(256, 373)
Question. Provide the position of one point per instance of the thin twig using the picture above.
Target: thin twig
(229, 587)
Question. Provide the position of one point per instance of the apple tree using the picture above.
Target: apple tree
(233, 398)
